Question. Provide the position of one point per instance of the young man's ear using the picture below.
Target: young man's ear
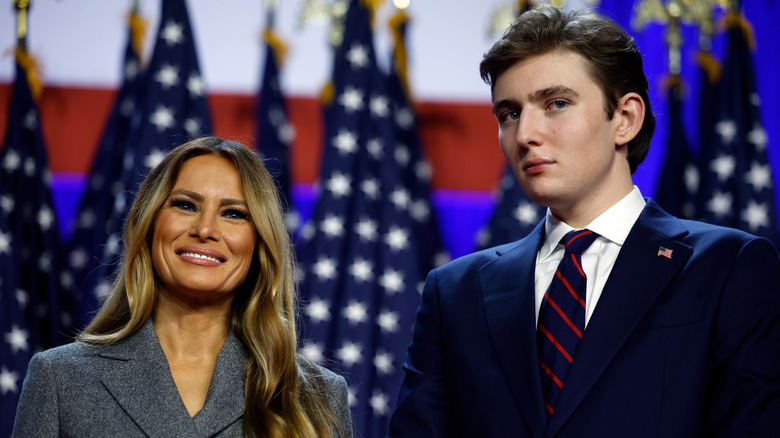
(629, 116)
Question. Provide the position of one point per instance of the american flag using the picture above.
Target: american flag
(709, 76)
(274, 131)
(415, 170)
(514, 216)
(90, 231)
(35, 312)
(736, 176)
(169, 108)
(679, 181)
(361, 264)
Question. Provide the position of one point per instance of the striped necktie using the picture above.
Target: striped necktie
(562, 317)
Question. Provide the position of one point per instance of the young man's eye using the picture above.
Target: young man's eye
(558, 104)
(510, 115)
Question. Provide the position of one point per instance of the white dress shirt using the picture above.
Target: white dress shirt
(612, 226)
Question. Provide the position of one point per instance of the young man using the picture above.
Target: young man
(660, 327)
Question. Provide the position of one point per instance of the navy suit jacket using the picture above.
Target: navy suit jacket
(686, 346)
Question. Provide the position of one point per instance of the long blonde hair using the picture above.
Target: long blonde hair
(285, 395)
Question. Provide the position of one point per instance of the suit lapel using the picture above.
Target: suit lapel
(139, 379)
(639, 275)
(508, 295)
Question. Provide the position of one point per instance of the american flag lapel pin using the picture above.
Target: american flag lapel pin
(664, 252)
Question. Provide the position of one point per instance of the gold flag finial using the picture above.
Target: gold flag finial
(673, 13)
(23, 58)
(137, 29)
(21, 21)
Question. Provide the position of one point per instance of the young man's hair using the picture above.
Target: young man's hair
(613, 60)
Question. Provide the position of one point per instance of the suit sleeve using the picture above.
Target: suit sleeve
(37, 415)
(421, 409)
(745, 360)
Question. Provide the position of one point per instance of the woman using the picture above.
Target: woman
(197, 336)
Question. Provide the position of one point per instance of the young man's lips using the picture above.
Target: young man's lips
(536, 165)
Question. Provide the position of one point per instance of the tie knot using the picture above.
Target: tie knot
(576, 242)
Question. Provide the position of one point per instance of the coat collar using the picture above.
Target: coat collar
(139, 378)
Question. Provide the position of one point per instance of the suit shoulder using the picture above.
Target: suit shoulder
(72, 352)
(702, 233)
(480, 258)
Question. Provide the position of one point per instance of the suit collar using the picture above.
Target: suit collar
(507, 285)
(621, 307)
(139, 378)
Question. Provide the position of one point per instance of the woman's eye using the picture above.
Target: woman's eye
(182, 204)
(235, 214)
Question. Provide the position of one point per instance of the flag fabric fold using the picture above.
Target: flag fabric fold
(737, 182)
(90, 228)
(36, 311)
(679, 181)
(275, 133)
(360, 263)
(415, 169)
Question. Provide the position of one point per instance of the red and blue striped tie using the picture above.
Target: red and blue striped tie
(562, 317)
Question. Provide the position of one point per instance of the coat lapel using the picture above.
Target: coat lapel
(139, 378)
(508, 295)
(225, 400)
(640, 274)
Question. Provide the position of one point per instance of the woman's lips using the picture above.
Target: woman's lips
(201, 256)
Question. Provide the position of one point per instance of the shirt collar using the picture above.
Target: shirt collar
(614, 224)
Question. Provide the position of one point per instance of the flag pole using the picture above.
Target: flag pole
(21, 22)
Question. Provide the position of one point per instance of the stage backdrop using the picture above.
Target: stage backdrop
(78, 45)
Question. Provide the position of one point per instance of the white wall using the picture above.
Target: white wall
(79, 43)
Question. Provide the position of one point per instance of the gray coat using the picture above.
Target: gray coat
(126, 389)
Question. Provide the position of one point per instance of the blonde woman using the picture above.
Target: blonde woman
(197, 336)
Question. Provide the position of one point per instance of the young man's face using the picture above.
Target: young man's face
(556, 136)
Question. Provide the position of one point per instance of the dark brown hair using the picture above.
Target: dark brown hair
(613, 60)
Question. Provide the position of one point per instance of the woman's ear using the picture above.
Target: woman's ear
(629, 117)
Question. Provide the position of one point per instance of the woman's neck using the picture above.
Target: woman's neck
(188, 332)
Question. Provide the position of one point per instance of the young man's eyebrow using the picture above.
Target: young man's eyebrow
(504, 103)
(557, 90)
(541, 94)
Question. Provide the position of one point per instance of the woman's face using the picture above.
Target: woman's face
(204, 237)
